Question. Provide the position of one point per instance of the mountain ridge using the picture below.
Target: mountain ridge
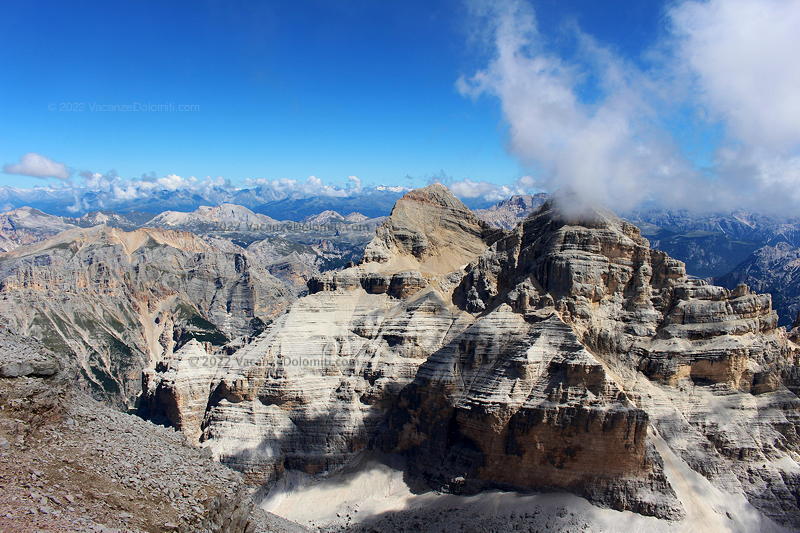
(559, 358)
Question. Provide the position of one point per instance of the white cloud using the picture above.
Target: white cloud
(607, 152)
(173, 182)
(728, 62)
(354, 184)
(286, 187)
(493, 192)
(38, 166)
(744, 56)
(741, 58)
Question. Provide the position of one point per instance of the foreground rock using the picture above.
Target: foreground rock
(564, 355)
(69, 463)
(580, 326)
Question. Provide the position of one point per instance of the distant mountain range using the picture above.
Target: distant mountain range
(72, 202)
(509, 212)
(123, 198)
(740, 246)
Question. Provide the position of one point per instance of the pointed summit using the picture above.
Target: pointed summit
(432, 230)
(435, 194)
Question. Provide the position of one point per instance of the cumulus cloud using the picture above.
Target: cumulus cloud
(108, 190)
(291, 188)
(94, 190)
(38, 166)
(728, 62)
(741, 60)
(354, 184)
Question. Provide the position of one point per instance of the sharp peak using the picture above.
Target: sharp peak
(436, 194)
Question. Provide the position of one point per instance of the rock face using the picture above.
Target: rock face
(119, 301)
(643, 332)
(27, 225)
(774, 269)
(312, 389)
(69, 463)
(511, 211)
(515, 404)
(565, 354)
(432, 229)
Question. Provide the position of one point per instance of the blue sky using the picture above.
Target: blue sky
(278, 89)
(686, 102)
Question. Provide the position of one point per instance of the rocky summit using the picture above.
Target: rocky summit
(312, 389)
(562, 355)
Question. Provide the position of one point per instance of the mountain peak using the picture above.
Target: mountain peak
(226, 214)
(509, 212)
(436, 194)
(431, 228)
(324, 217)
(589, 217)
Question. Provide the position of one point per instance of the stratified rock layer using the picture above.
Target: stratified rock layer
(565, 354)
(650, 331)
(119, 301)
(312, 389)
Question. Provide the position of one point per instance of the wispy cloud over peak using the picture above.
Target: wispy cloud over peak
(601, 128)
(604, 151)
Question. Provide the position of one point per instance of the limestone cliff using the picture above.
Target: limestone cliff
(312, 389)
(118, 301)
(565, 354)
(643, 353)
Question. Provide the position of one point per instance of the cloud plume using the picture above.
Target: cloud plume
(595, 127)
